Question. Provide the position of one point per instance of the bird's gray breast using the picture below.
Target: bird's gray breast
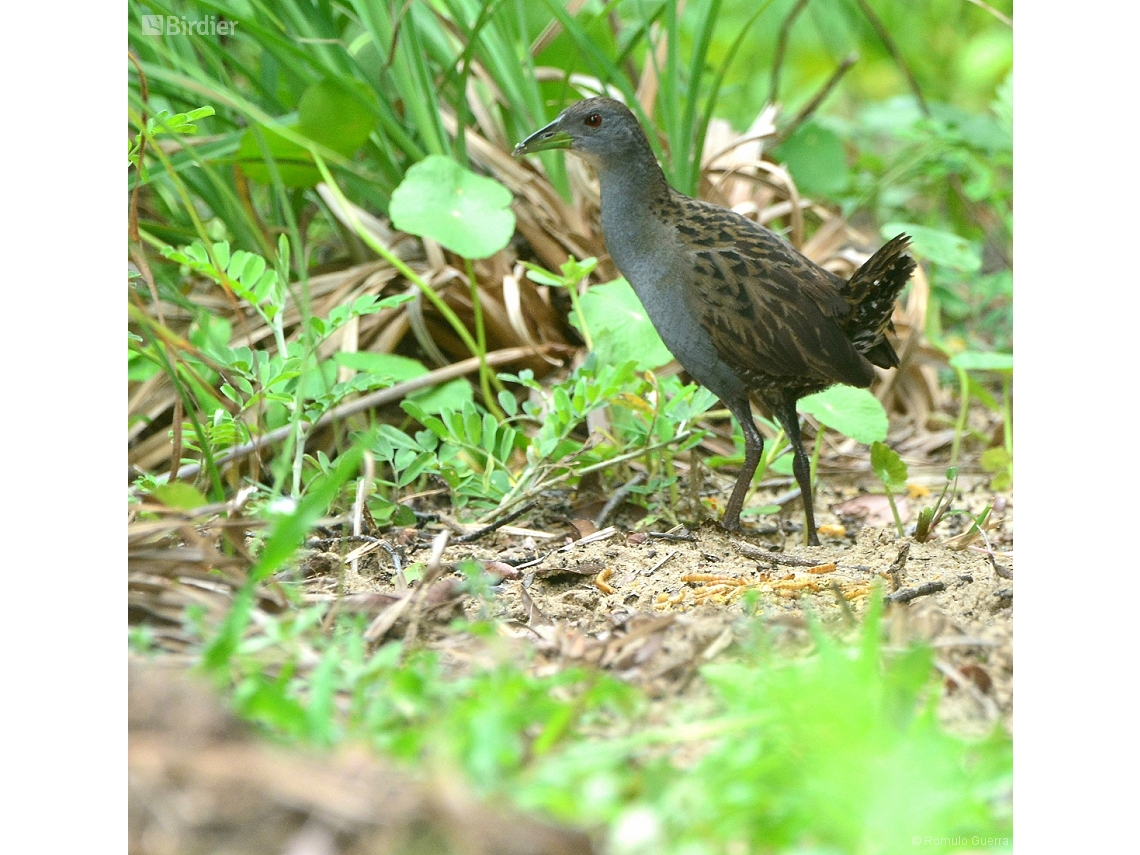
(649, 256)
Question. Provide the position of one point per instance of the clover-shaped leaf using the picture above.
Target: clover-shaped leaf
(853, 412)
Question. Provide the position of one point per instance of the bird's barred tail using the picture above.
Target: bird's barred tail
(871, 292)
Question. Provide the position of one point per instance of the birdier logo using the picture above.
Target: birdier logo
(172, 25)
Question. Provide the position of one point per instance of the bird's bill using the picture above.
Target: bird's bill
(544, 139)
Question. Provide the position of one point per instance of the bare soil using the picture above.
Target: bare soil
(653, 606)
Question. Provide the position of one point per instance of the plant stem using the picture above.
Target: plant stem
(894, 510)
(963, 412)
(385, 253)
(575, 302)
(486, 378)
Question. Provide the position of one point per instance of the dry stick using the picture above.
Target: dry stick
(594, 467)
(554, 28)
(660, 563)
(369, 543)
(603, 534)
(1001, 570)
(781, 47)
(434, 570)
(1005, 20)
(750, 551)
(896, 568)
(367, 402)
(387, 618)
(669, 535)
(617, 498)
(362, 488)
(892, 49)
(908, 594)
(804, 114)
(497, 524)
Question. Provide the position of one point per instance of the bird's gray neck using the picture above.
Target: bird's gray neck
(632, 186)
(640, 234)
(635, 202)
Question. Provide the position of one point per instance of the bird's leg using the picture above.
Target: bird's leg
(790, 421)
(753, 450)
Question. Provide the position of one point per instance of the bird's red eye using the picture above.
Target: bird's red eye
(593, 121)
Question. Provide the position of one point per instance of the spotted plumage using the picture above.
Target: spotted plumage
(738, 306)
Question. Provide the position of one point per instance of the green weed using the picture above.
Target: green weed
(839, 751)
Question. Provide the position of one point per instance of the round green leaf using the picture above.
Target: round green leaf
(815, 157)
(620, 326)
(853, 412)
(468, 214)
(336, 113)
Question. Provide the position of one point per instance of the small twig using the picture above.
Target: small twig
(660, 563)
(781, 48)
(363, 487)
(896, 55)
(908, 594)
(368, 544)
(1001, 570)
(750, 551)
(323, 543)
(617, 498)
(377, 543)
(1004, 19)
(496, 525)
(602, 534)
(570, 472)
(534, 562)
(897, 566)
(432, 572)
(811, 106)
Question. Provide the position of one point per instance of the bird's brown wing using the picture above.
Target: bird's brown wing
(767, 306)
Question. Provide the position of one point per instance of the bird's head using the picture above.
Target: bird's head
(596, 129)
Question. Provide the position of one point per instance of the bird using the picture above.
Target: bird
(742, 311)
